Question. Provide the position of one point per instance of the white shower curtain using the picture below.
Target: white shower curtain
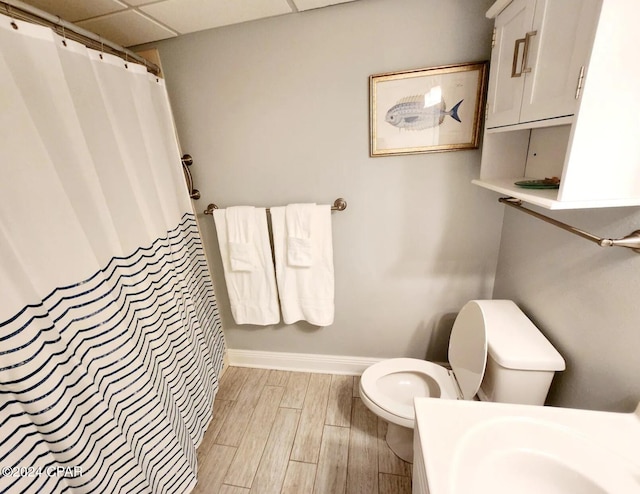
(110, 340)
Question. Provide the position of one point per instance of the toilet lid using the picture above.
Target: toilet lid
(468, 349)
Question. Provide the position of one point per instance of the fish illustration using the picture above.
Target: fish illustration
(422, 111)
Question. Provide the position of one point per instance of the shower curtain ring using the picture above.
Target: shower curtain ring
(64, 35)
(14, 24)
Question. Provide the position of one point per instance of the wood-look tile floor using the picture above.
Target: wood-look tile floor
(296, 433)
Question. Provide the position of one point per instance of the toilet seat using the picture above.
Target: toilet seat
(392, 384)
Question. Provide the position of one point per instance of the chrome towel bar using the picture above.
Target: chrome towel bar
(338, 205)
(631, 241)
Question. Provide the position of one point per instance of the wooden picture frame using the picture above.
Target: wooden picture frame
(427, 110)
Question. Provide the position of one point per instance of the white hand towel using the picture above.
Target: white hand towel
(240, 232)
(298, 221)
(241, 256)
(306, 293)
(252, 293)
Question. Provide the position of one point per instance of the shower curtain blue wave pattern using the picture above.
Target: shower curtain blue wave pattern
(110, 339)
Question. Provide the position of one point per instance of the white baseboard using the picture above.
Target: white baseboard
(302, 362)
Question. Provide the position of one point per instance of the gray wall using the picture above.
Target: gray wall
(586, 300)
(276, 111)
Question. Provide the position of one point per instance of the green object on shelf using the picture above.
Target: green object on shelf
(537, 184)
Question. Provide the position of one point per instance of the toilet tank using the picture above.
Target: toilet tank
(521, 362)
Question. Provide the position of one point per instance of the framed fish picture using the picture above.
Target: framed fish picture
(427, 110)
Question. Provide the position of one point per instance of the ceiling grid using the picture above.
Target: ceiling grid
(134, 22)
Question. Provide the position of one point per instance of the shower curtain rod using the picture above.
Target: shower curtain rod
(24, 12)
(338, 205)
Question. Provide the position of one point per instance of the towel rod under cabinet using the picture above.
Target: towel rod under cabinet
(631, 241)
(338, 205)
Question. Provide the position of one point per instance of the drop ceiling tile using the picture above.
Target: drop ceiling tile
(188, 16)
(316, 4)
(127, 28)
(77, 10)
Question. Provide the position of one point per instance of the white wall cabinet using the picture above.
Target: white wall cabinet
(538, 60)
(506, 84)
(564, 100)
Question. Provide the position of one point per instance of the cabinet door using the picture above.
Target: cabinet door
(557, 56)
(505, 90)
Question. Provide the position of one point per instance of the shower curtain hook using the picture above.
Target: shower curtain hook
(126, 60)
(14, 25)
(101, 48)
(64, 35)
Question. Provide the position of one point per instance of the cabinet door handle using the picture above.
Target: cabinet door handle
(525, 54)
(516, 52)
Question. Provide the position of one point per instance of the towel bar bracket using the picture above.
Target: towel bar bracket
(631, 241)
(339, 204)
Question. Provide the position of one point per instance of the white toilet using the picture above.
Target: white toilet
(495, 353)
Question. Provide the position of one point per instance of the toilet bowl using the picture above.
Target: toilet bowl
(388, 387)
(493, 345)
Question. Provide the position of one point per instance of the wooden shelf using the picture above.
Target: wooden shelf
(547, 122)
(547, 198)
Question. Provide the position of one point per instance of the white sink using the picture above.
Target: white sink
(480, 448)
